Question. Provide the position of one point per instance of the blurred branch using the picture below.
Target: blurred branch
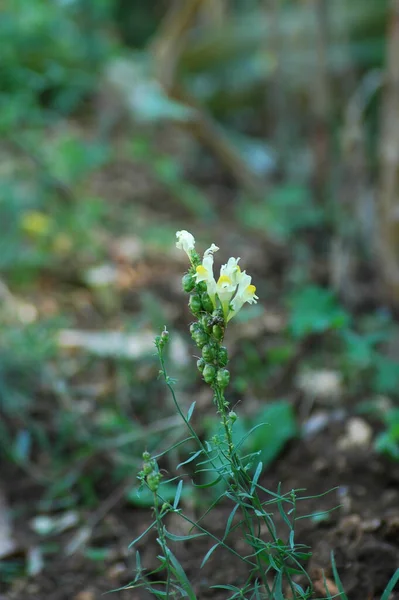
(322, 101)
(207, 131)
(276, 88)
(388, 239)
(168, 47)
(171, 37)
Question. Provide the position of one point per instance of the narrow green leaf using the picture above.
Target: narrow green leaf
(181, 575)
(138, 562)
(178, 494)
(142, 535)
(229, 521)
(337, 578)
(256, 476)
(182, 538)
(192, 457)
(208, 554)
(391, 585)
(278, 591)
(190, 411)
(208, 485)
(292, 539)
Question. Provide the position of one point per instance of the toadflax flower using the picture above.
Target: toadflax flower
(233, 288)
(245, 293)
(185, 241)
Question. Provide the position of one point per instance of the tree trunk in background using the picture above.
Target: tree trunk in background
(388, 230)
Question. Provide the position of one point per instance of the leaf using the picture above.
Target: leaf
(315, 310)
(256, 476)
(337, 578)
(192, 457)
(178, 493)
(181, 575)
(190, 411)
(230, 520)
(280, 427)
(208, 554)
(182, 538)
(386, 380)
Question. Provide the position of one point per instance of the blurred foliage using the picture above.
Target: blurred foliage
(52, 55)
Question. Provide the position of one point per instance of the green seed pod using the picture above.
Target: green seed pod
(201, 286)
(188, 283)
(209, 373)
(223, 378)
(205, 324)
(146, 455)
(153, 481)
(194, 328)
(223, 357)
(207, 302)
(201, 339)
(218, 332)
(208, 353)
(201, 364)
(195, 304)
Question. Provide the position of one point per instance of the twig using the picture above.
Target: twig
(388, 234)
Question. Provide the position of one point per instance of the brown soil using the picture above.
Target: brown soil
(363, 532)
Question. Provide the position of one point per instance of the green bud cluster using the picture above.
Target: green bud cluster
(207, 332)
(162, 340)
(150, 473)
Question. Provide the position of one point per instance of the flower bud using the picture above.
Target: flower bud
(147, 468)
(207, 302)
(188, 283)
(223, 378)
(165, 336)
(146, 455)
(195, 304)
(223, 357)
(233, 416)
(218, 332)
(201, 364)
(208, 353)
(209, 373)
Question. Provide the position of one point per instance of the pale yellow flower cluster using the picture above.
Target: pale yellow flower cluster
(233, 288)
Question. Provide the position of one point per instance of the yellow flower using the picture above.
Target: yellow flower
(245, 293)
(233, 288)
(35, 223)
(204, 272)
(225, 289)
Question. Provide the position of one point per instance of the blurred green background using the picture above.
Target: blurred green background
(268, 127)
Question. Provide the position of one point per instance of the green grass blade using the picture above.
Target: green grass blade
(391, 585)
